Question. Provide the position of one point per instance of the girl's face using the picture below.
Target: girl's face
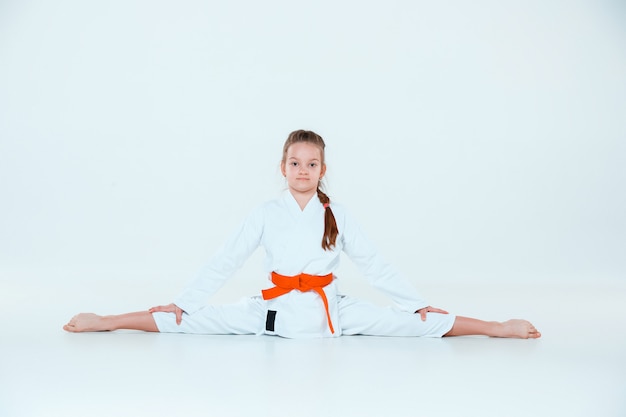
(303, 167)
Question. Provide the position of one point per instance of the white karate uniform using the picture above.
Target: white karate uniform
(292, 240)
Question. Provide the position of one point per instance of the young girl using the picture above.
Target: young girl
(303, 235)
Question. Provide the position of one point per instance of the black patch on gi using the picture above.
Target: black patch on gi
(269, 322)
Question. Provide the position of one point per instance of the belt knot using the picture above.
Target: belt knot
(302, 282)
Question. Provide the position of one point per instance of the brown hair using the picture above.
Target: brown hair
(330, 224)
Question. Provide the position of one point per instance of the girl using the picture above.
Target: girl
(303, 235)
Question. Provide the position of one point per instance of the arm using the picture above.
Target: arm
(223, 264)
(380, 274)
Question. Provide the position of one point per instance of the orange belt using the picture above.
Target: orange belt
(302, 282)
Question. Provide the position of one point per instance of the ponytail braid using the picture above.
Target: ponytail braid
(330, 224)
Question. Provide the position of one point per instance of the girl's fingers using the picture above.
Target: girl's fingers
(425, 310)
(170, 308)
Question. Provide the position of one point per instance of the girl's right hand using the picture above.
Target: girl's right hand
(170, 308)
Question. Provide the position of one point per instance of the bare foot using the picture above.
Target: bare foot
(521, 329)
(85, 322)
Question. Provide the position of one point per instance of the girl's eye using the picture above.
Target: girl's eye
(294, 164)
(313, 165)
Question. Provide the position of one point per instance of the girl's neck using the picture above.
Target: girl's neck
(302, 198)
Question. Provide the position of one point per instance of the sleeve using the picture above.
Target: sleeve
(223, 264)
(380, 274)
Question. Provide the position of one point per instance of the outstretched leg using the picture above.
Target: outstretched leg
(465, 326)
(89, 322)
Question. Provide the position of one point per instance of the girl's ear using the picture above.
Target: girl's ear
(323, 170)
(282, 169)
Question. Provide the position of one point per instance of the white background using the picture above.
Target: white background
(481, 145)
(474, 141)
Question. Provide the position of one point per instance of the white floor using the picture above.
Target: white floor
(578, 368)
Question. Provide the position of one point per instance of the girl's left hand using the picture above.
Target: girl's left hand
(429, 309)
